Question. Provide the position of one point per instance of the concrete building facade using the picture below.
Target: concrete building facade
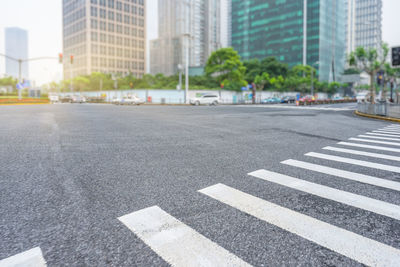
(104, 36)
(191, 26)
(16, 46)
(364, 24)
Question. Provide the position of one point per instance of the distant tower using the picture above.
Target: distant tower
(200, 19)
(16, 46)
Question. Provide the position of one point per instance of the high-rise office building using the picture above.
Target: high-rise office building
(296, 32)
(364, 24)
(226, 22)
(191, 26)
(104, 36)
(16, 46)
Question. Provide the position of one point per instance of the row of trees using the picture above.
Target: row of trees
(268, 74)
(224, 69)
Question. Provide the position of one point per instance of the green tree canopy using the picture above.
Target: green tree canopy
(225, 66)
(369, 61)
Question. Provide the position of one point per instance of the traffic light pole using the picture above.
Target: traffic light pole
(20, 61)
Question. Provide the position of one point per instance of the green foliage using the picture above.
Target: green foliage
(225, 66)
(269, 65)
(8, 81)
(261, 80)
(369, 61)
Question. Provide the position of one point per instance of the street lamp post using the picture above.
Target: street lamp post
(20, 61)
(187, 36)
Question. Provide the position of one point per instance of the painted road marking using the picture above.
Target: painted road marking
(370, 147)
(374, 141)
(378, 134)
(380, 138)
(362, 153)
(175, 242)
(355, 162)
(344, 174)
(354, 246)
(386, 132)
(358, 201)
(29, 258)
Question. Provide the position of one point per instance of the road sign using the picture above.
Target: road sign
(20, 86)
(396, 57)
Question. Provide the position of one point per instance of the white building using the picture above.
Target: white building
(185, 24)
(104, 36)
(226, 23)
(364, 26)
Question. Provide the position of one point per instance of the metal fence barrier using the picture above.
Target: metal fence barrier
(380, 109)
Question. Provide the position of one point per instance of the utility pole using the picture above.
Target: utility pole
(187, 69)
(20, 78)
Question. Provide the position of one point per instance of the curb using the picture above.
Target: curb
(24, 104)
(376, 117)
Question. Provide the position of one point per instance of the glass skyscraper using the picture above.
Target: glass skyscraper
(296, 32)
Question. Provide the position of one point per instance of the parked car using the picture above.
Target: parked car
(205, 100)
(271, 100)
(130, 100)
(362, 96)
(54, 98)
(288, 99)
(308, 99)
(116, 100)
(78, 99)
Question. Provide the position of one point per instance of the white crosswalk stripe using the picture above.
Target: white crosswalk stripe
(378, 134)
(374, 141)
(386, 132)
(354, 246)
(180, 245)
(362, 153)
(370, 147)
(361, 202)
(355, 162)
(379, 137)
(175, 242)
(29, 258)
(344, 174)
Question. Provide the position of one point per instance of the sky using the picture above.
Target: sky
(43, 20)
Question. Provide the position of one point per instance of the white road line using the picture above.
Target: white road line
(392, 127)
(355, 162)
(386, 132)
(344, 174)
(175, 242)
(351, 245)
(29, 258)
(362, 153)
(358, 201)
(379, 134)
(380, 138)
(374, 141)
(370, 147)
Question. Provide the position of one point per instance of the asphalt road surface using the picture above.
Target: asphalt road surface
(103, 185)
